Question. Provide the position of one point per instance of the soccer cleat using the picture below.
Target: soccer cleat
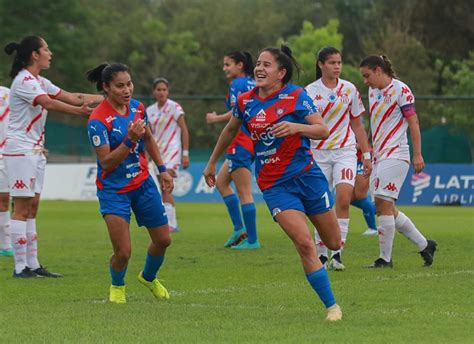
(8, 252)
(117, 294)
(245, 245)
(26, 273)
(174, 229)
(157, 289)
(428, 253)
(334, 313)
(380, 263)
(370, 232)
(324, 260)
(42, 271)
(336, 263)
(236, 238)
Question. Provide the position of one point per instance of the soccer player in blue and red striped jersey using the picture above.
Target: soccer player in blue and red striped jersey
(281, 119)
(119, 132)
(238, 67)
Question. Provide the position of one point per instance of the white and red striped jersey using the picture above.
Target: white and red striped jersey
(337, 106)
(166, 131)
(387, 123)
(27, 118)
(4, 114)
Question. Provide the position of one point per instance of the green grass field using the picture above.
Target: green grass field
(222, 296)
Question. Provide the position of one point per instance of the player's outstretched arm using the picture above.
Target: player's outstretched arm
(213, 117)
(79, 99)
(57, 105)
(225, 138)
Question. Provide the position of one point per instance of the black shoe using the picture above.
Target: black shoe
(41, 271)
(380, 263)
(25, 273)
(428, 253)
(323, 259)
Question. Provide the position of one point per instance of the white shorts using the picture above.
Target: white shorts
(338, 165)
(388, 176)
(25, 174)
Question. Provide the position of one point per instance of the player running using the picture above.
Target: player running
(238, 67)
(341, 107)
(281, 119)
(168, 126)
(31, 97)
(392, 112)
(119, 132)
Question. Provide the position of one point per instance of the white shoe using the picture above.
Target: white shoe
(370, 232)
(334, 313)
(335, 265)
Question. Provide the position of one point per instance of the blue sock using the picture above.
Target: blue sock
(232, 203)
(319, 280)
(152, 265)
(118, 277)
(250, 219)
(368, 209)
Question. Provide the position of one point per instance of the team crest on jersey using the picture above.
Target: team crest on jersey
(379, 97)
(110, 119)
(261, 116)
(387, 99)
(280, 111)
(246, 101)
(332, 97)
(345, 98)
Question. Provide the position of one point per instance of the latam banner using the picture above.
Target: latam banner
(439, 184)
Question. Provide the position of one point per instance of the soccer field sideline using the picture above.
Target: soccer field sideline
(252, 297)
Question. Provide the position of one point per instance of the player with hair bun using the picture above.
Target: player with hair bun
(281, 119)
(119, 133)
(392, 112)
(342, 109)
(238, 67)
(31, 97)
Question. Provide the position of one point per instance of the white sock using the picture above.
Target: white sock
(5, 236)
(32, 250)
(386, 231)
(408, 229)
(18, 233)
(321, 248)
(344, 228)
(173, 215)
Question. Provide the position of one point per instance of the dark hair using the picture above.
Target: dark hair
(159, 81)
(23, 50)
(382, 61)
(285, 59)
(105, 73)
(245, 58)
(322, 56)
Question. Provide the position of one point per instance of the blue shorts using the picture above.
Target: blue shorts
(145, 202)
(241, 158)
(308, 192)
(360, 167)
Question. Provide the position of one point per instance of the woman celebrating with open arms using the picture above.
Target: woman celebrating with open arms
(281, 119)
(119, 132)
(31, 97)
(238, 67)
(341, 108)
(392, 112)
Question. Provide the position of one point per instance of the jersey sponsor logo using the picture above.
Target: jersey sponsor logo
(117, 130)
(21, 241)
(266, 137)
(332, 97)
(285, 96)
(269, 161)
(308, 106)
(261, 116)
(96, 140)
(28, 78)
(110, 119)
(132, 175)
(318, 97)
(93, 127)
(267, 152)
(19, 184)
(259, 125)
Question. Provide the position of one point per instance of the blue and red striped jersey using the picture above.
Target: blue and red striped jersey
(276, 159)
(107, 127)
